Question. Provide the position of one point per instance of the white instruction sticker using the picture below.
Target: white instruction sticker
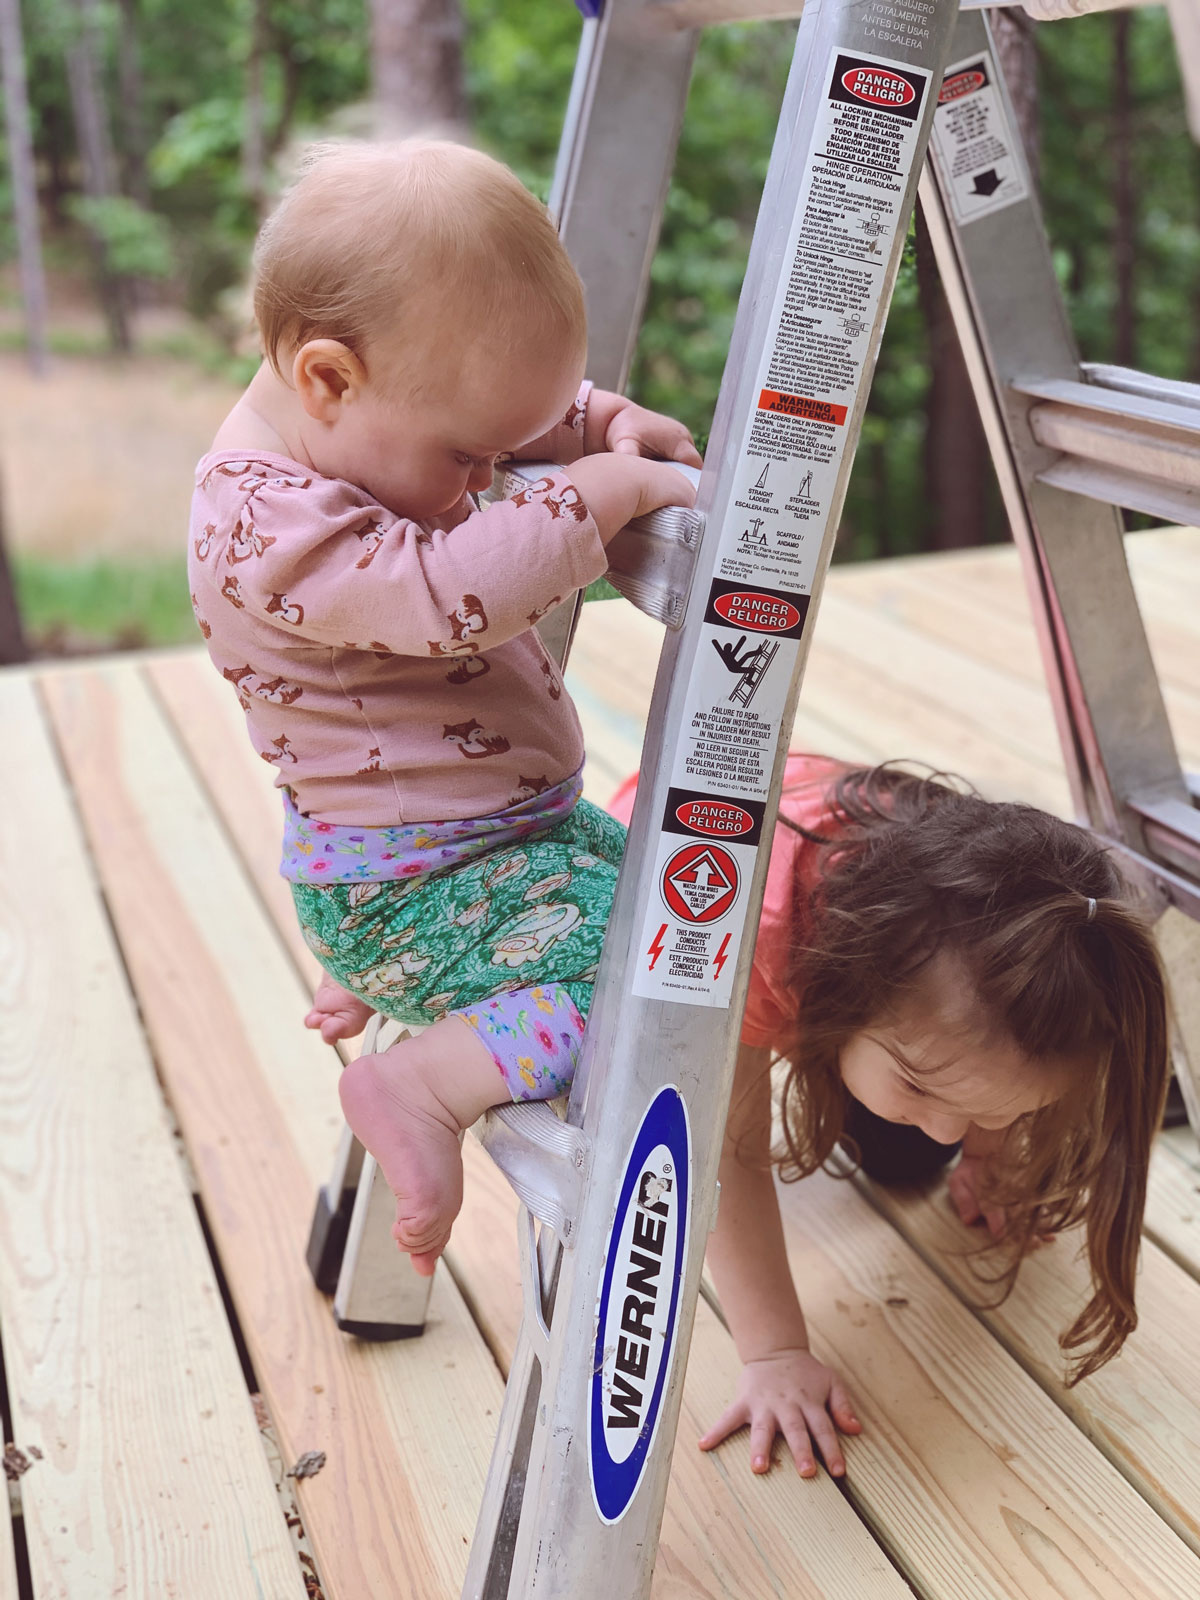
(973, 143)
(824, 312)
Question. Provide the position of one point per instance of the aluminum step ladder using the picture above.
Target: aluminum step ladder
(618, 1197)
(1071, 443)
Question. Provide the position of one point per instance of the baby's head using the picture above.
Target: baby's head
(417, 300)
(978, 964)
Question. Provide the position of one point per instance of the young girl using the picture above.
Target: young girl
(420, 320)
(940, 973)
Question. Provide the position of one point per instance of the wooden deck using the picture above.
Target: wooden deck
(165, 1122)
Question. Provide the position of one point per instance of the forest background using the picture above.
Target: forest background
(162, 129)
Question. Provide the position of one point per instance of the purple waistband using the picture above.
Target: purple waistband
(339, 852)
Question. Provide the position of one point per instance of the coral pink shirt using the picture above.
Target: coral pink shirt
(770, 1003)
(390, 669)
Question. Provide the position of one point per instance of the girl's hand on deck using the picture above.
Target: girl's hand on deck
(794, 1394)
(965, 1185)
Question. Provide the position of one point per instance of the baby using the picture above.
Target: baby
(421, 320)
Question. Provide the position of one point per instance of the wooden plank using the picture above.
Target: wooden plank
(726, 1532)
(768, 1537)
(121, 1368)
(211, 724)
(978, 1484)
(1173, 1199)
(1143, 1409)
(403, 1427)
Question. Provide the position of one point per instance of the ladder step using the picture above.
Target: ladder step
(1136, 444)
(1172, 829)
(544, 1159)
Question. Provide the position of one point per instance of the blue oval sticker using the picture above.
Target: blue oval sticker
(639, 1302)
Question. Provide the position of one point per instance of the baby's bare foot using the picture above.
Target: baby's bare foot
(409, 1106)
(336, 1012)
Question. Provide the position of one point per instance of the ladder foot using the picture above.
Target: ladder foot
(327, 1238)
(379, 1332)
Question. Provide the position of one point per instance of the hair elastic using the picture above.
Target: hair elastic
(1091, 909)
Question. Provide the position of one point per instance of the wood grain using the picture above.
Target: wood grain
(979, 1485)
(120, 1362)
(391, 1513)
(1143, 1409)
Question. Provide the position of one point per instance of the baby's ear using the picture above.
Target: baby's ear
(326, 374)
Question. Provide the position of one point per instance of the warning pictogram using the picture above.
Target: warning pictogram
(699, 882)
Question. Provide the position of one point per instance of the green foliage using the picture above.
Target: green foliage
(518, 66)
(137, 241)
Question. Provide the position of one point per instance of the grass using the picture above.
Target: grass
(104, 604)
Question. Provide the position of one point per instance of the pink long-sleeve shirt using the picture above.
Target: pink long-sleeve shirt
(390, 669)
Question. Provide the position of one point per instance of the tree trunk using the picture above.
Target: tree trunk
(24, 183)
(95, 151)
(1016, 51)
(1124, 236)
(133, 105)
(12, 639)
(254, 142)
(416, 67)
(957, 463)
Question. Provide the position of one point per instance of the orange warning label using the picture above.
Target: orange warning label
(798, 405)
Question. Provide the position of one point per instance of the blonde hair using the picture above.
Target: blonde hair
(414, 240)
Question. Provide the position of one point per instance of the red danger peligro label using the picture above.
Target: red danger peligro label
(718, 818)
(960, 84)
(878, 87)
(764, 613)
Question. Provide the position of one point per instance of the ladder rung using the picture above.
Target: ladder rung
(1117, 488)
(544, 1159)
(1147, 384)
(1127, 446)
(1172, 829)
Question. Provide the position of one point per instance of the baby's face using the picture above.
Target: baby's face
(419, 456)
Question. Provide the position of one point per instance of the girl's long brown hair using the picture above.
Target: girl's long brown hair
(915, 865)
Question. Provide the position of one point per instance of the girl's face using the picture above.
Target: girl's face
(933, 1062)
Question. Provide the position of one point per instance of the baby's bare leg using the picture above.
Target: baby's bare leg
(336, 1012)
(409, 1106)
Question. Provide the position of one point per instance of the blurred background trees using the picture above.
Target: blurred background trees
(161, 130)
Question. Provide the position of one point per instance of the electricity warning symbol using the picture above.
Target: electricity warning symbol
(699, 883)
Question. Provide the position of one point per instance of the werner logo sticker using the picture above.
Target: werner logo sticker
(639, 1301)
(699, 883)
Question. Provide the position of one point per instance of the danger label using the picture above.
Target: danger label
(790, 465)
(760, 610)
(699, 883)
(973, 143)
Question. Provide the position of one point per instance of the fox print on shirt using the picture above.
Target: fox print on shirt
(473, 741)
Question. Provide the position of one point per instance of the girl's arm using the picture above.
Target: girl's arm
(783, 1387)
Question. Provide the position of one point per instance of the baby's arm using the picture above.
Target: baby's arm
(783, 1387)
(600, 421)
